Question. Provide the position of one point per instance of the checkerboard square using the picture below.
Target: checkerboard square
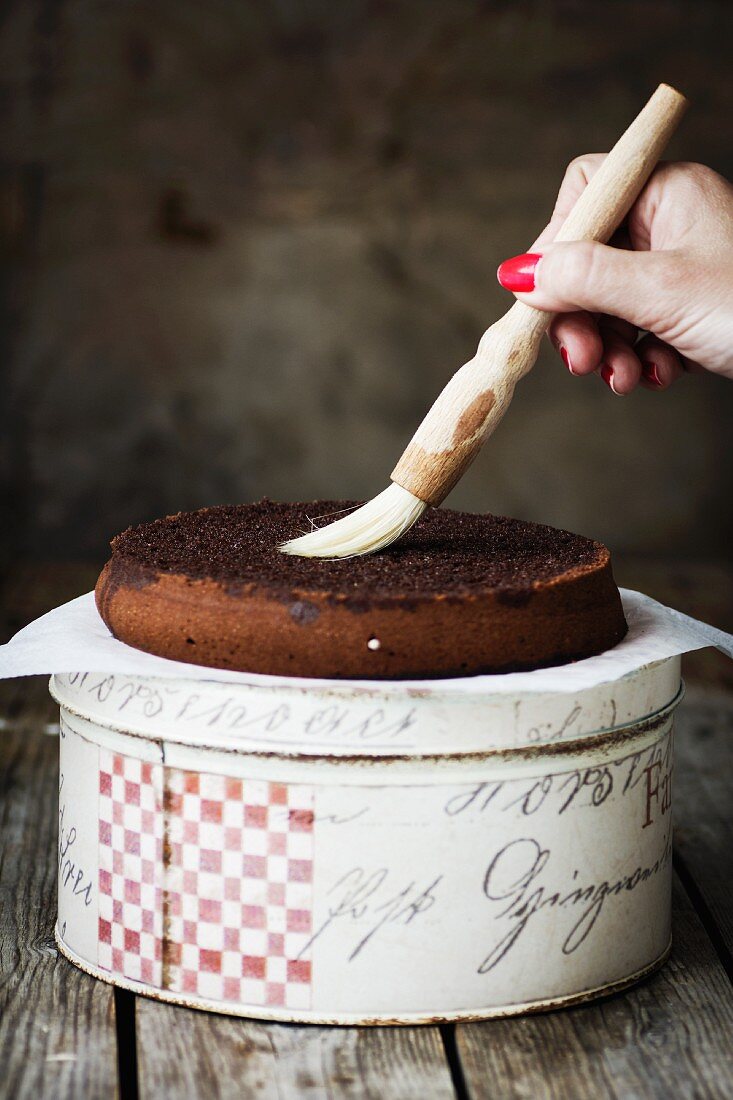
(235, 893)
(300, 820)
(129, 916)
(189, 981)
(233, 790)
(299, 920)
(231, 940)
(211, 810)
(254, 866)
(231, 989)
(210, 961)
(275, 943)
(253, 966)
(132, 793)
(253, 916)
(278, 794)
(210, 860)
(210, 910)
(253, 941)
(275, 994)
(276, 893)
(256, 816)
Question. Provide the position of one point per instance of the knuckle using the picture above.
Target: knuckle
(690, 178)
(699, 174)
(583, 167)
(586, 160)
(578, 265)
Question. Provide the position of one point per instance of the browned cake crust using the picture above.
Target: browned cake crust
(459, 594)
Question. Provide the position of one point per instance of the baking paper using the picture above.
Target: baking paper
(73, 638)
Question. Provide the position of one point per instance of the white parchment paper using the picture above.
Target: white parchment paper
(73, 638)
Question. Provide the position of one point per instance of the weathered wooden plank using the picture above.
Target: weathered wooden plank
(57, 1025)
(183, 1053)
(669, 1036)
(703, 801)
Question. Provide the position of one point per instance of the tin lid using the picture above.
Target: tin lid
(344, 719)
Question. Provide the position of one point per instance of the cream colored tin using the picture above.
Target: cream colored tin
(378, 854)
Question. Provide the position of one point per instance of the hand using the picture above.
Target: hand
(670, 275)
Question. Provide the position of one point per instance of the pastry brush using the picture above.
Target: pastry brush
(477, 396)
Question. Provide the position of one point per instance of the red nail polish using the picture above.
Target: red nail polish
(566, 359)
(607, 376)
(651, 374)
(517, 273)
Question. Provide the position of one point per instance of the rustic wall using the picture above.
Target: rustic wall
(250, 241)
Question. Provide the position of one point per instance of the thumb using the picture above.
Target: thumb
(640, 287)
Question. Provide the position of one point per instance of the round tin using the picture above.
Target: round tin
(351, 854)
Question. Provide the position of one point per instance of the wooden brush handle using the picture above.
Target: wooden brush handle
(478, 395)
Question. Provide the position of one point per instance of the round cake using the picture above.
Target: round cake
(457, 595)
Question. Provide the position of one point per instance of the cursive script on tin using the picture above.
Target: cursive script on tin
(557, 793)
(371, 900)
(518, 883)
(75, 879)
(284, 723)
(356, 721)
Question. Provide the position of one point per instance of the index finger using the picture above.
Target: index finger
(578, 175)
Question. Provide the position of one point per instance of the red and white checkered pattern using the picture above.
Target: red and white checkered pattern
(240, 888)
(235, 895)
(130, 863)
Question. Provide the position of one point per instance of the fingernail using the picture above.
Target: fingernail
(566, 360)
(517, 273)
(607, 376)
(651, 374)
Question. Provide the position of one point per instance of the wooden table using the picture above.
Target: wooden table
(63, 1034)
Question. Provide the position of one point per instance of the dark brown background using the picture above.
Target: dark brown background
(249, 241)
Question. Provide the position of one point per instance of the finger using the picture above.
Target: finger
(578, 175)
(620, 369)
(660, 364)
(576, 337)
(638, 286)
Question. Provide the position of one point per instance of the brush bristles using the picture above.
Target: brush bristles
(372, 527)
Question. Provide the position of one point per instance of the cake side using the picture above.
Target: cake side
(446, 603)
(200, 623)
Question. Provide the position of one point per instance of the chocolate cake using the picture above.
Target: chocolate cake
(459, 594)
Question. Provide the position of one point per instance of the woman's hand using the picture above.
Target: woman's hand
(670, 274)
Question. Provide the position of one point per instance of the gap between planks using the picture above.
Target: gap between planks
(703, 798)
(57, 1025)
(184, 1053)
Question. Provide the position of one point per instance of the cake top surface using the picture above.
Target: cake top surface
(446, 552)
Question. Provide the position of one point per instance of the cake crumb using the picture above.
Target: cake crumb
(447, 553)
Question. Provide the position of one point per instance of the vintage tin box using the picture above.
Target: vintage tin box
(365, 854)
